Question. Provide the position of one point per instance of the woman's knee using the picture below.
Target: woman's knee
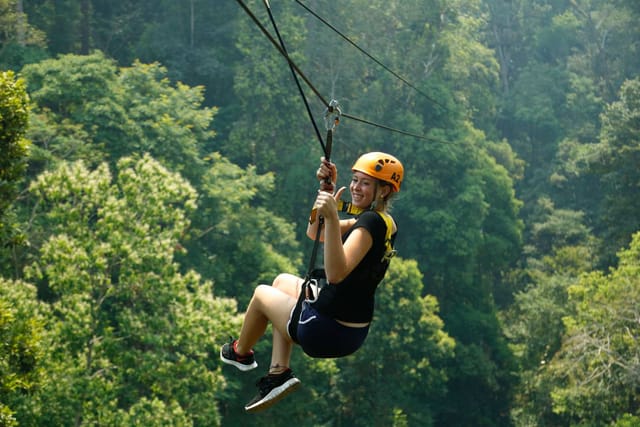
(272, 302)
(261, 292)
(283, 280)
(288, 283)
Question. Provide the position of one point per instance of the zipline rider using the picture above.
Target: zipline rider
(327, 318)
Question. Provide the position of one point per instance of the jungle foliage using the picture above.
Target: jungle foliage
(157, 163)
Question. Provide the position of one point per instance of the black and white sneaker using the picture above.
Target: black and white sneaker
(271, 389)
(243, 362)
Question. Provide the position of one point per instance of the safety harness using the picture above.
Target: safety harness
(389, 251)
(348, 208)
(315, 278)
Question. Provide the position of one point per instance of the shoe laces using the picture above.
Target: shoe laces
(266, 383)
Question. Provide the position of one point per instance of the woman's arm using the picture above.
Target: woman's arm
(339, 259)
(312, 229)
(314, 223)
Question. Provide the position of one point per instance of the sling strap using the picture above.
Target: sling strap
(389, 252)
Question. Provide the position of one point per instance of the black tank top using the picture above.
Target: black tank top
(352, 300)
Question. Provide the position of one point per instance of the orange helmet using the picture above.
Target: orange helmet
(382, 166)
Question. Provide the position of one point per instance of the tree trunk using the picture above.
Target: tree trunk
(85, 26)
(21, 23)
(192, 25)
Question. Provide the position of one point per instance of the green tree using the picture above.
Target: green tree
(137, 110)
(471, 67)
(465, 208)
(88, 108)
(599, 359)
(614, 161)
(22, 331)
(193, 39)
(261, 135)
(562, 249)
(20, 42)
(559, 62)
(73, 96)
(401, 368)
(557, 228)
(535, 329)
(130, 337)
(237, 241)
(61, 21)
(14, 117)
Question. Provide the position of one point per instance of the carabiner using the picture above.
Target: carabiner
(332, 115)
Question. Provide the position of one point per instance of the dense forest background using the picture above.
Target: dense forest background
(157, 163)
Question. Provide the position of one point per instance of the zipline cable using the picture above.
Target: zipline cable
(332, 119)
(389, 128)
(313, 88)
(374, 59)
(325, 148)
(282, 52)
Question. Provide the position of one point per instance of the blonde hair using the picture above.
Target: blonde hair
(386, 200)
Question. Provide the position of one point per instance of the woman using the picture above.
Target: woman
(356, 257)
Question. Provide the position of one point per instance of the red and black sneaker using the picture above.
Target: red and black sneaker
(244, 362)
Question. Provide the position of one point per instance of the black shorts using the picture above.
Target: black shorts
(321, 336)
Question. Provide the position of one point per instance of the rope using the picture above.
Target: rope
(348, 40)
(313, 88)
(402, 132)
(331, 107)
(282, 52)
(325, 149)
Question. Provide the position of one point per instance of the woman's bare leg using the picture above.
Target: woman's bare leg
(282, 344)
(271, 303)
(280, 352)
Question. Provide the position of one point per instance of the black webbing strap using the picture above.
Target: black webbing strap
(299, 72)
(295, 315)
(332, 112)
(326, 148)
(332, 118)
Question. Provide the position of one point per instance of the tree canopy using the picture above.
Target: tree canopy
(157, 163)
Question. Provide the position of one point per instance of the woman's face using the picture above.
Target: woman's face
(363, 190)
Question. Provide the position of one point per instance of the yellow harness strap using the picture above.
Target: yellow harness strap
(345, 207)
(389, 251)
